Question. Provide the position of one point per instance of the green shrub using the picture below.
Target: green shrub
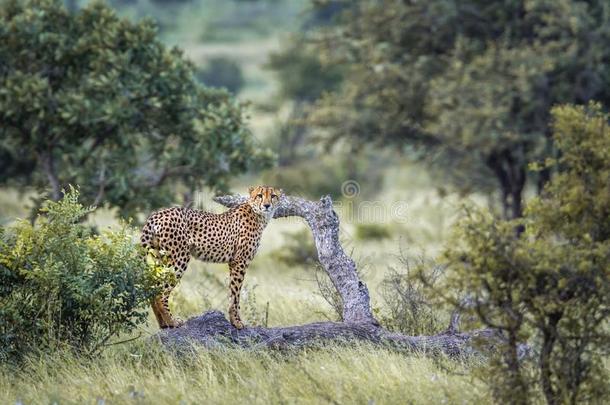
(409, 307)
(544, 280)
(372, 232)
(64, 287)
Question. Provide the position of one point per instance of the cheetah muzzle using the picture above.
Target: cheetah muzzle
(232, 237)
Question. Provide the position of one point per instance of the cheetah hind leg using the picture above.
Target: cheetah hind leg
(154, 303)
(160, 306)
(161, 303)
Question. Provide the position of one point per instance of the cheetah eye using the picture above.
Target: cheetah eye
(259, 196)
(273, 196)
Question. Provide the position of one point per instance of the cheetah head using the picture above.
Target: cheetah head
(264, 200)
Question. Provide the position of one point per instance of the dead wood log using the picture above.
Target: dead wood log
(213, 329)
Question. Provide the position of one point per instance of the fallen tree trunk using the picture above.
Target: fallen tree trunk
(213, 329)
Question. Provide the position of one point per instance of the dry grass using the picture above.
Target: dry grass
(275, 295)
(143, 373)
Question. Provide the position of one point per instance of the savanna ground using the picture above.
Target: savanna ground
(275, 293)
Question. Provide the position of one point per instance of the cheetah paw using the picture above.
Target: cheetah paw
(173, 323)
(238, 324)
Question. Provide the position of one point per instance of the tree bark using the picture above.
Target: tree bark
(288, 148)
(99, 197)
(46, 160)
(511, 177)
(213, 329)
(549, 337)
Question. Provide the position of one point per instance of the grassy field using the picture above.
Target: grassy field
(142, 373)
(274, 294)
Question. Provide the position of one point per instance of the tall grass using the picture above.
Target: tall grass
(144, 373)
(141, 372)
(282, 295)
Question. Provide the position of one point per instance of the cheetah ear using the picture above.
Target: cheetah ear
(250, 190)
(280, 192)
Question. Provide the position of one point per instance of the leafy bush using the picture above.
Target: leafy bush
(545, 279)
(409, 307)
(64, 287)
(222, 72)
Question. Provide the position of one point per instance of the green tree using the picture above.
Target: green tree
(468, 84)
(548, 285)
(91, 99)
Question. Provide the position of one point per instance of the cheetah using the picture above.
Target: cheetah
(231, 237)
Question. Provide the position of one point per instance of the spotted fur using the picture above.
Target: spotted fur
(232, 237)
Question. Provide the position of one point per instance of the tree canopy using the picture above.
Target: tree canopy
(92, 99)
(468, 85)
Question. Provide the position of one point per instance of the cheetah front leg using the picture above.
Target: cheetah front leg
(237, 274)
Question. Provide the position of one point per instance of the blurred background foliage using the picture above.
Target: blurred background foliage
(222, 72)
(464, 85)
